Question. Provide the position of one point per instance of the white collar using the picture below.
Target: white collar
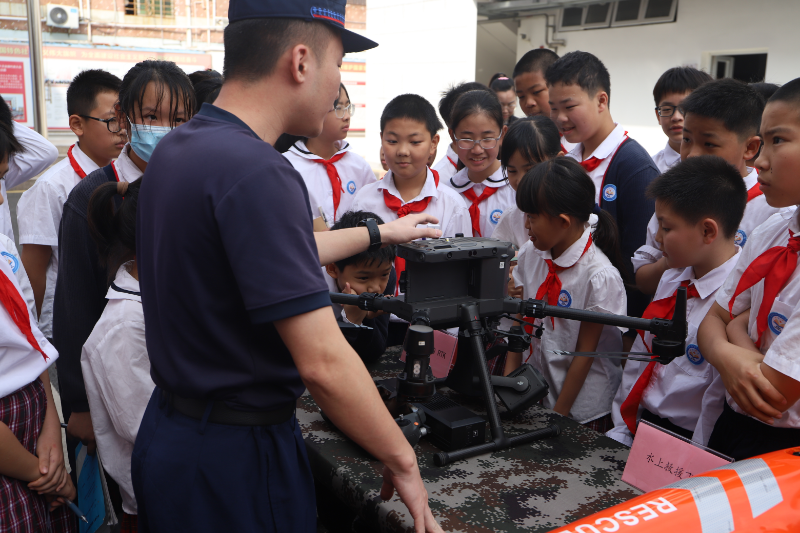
(461, 182)
(606, 148)
(712, 280)
(751, 179)
(125, 286)
(575, 251)
(125, 168)
(428, 190)
(84, 161)
(671, 157)
(299, 148)
(451, 154)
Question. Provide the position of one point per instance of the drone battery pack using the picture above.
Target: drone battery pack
(516, 401)
(452, 426)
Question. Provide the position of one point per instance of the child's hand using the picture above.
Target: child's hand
(58, 499)
(744, 381)
(354, 314)
(51, 461)
(513, 291)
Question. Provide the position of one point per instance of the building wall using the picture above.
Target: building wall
(637, 55)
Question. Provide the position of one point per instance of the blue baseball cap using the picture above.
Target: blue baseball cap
(328, 11)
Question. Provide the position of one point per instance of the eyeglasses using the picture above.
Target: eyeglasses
(486, 144)
(511, 105)
(342, 110)
(111, 123)
(668, 110)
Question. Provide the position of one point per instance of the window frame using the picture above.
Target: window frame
(612, 15)
(640, 20)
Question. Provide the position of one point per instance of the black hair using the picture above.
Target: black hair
(170, 80)
(114, 230)
(475, 102)
(535, 138)
(679, 80)
(82, 92)
(582, 69)
(202, 75)
(450, 96)
(206, 91)
(254, 46)
(341, 88)
(734, 103)
(287, 140)
(351, 219)
(788, 92)
(413, 107)
(701, 187)
(9, 145)
(561, 186)
(537, 60)
(501, 83)
(766, 90)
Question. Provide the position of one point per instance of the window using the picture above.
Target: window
(749, 68)
(149, 8)
(619, 13)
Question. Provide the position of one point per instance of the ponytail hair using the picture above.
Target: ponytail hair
(535, 138)
(114, 229)
(561, 186)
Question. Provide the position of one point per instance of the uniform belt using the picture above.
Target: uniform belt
(222, 414)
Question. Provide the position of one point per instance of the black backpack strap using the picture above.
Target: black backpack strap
(109, 171)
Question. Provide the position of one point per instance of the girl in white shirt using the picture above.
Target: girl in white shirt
(332, 173)
(571, 260)
(528, 141)
(114, 361)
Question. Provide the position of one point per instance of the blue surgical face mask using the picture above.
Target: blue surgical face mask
(145, 138)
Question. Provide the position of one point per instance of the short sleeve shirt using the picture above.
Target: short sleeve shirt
(225, 248)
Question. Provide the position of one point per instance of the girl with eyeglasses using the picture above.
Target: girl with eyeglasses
(477, 128)
(332, 173)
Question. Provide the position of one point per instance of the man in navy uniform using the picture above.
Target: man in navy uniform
(236, 308)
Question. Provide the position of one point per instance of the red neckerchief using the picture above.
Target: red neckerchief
(333, 175)
(75, 166)
(774, 266)
(663, 308)
(396, 204)
(114, 168)
(591, 163)
(474, 208)
(451, 162)
(551, 287)
(18, 311)
(754, 192)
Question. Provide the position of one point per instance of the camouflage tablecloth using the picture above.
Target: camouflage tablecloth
(534, 487)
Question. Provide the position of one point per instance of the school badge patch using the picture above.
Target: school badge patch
(740, 238)
(693, 354)
(495, 216)
(776, 322)
(609, 192)
(13, 262)
(351, 187)
(564, 299)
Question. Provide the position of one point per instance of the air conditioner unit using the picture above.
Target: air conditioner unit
(60, 16)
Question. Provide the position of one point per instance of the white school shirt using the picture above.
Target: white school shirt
(8, 251)
(756, 212)
(116, 371)
(511, 228)
(38, 154)
(448, 165)
(39, 217)
(445, 204)
(124, 167)
(20, 363)
(605, 151)
(353, 170)
(566, 146)
(779, 341)
(666, 158)
(678, 390)
(592, 283)
(492, 208)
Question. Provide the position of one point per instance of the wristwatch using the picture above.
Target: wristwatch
(374, 234)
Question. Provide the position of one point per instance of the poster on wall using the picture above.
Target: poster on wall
(62, 63)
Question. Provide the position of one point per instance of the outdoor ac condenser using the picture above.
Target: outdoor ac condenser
(60, 16)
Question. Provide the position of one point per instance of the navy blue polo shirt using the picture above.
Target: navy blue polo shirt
(224, 249)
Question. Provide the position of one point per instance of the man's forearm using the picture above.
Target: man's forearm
(336, 245)
(35, 259)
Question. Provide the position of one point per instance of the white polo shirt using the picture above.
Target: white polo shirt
(445, 204)
(354, 171)
(779, 341)
(492, 208)
(20, 363)
(116, 372)
(676, 391)
(605, 152)
(38, 154)
(756, 213)
(666, 158)
(448, 165)
(39, 217)
(589, 282)
(511, 227)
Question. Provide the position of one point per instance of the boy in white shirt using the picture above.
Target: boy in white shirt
(699, 204)
(90, 103)
(720, 118)
(760, 366)
(669, 92)
(448, 165)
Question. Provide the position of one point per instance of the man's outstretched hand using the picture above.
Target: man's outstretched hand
(405, 229)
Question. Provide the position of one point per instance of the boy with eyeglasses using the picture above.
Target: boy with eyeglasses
(722, 118)
(669, 92)
(90, 103)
